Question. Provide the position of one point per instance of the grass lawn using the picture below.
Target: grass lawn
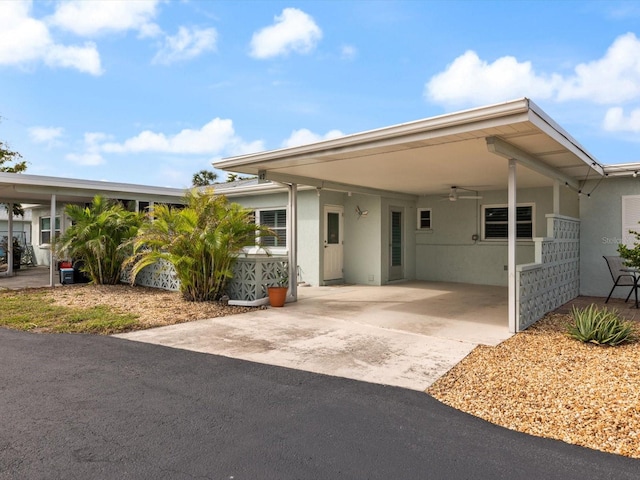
(37, 312)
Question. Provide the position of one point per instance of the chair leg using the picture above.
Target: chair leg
(612, 288)
(630, 292)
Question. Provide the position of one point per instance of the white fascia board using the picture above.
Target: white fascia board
(622, 169)
(465, 117)
(20, 180)
(542, 121)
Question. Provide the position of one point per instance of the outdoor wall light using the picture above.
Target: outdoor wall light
(635, 174)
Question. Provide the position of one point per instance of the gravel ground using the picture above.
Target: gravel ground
(155, 307)
(539, 382)
(544, 383)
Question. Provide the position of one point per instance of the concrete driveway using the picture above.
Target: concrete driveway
(407, 335)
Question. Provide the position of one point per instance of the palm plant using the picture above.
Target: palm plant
(97, 238)
(201, 241)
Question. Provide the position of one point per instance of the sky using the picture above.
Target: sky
(150, 92)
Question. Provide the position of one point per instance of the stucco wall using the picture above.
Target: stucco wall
(601, 232)
(447, 252)
(309, 228)
(42, 251)
(362, 262)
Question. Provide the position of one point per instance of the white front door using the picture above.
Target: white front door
(333, 247)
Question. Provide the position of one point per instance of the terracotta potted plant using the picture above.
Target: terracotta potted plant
(278, 292)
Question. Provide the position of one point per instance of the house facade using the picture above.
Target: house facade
(500, 195)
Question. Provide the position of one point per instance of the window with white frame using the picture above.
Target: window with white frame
(45, 229)
(495, 225)
(630, 220)
(276, 220)
(424, 219)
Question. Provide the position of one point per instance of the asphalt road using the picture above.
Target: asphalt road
(90, 407)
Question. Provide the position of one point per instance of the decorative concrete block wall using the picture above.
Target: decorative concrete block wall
(159, 275)
(251, 277)
(554, 278)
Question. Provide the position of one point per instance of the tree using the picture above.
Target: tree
(7, 157)
(204, 178)
(98, 238)
(201, 241)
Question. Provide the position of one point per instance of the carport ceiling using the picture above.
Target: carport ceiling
(429, 156)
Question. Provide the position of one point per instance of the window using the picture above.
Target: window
(630, 220)
(276, 220)
(496, 223)
(424, 218)
(45, 229)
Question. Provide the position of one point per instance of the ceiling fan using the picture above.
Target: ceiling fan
(454, 196)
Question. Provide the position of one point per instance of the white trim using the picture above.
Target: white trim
(419, 219)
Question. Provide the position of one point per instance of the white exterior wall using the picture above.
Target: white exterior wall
(41, 251)
(309, 228)
(362, 246)
(601, 232)
(447, 251)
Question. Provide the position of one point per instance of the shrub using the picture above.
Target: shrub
(201, 241)
(97, 238)
(599, 326)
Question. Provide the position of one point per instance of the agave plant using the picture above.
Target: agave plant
(599, 326)
(98, 237)
(201, 241)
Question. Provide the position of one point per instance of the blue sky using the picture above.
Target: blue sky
(152, 91)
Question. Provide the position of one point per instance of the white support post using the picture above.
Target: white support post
(556, 197)
(511, 248)
(10, 240)
(292, 241)
(52, 237)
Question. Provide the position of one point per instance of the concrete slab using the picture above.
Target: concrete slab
(373, 334)
(28, 277)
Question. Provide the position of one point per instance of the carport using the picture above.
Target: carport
(513, 145)
(39, 190)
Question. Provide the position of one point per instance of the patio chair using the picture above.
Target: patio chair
(620, 275)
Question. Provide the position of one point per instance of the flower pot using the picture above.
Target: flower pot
(277, 296)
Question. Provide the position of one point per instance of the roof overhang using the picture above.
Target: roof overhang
(35, 189)
(429, 156)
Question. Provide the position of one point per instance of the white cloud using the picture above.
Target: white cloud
(213, 138)
(91, 155)
(24, 40)
(470, 80)
(348, 52)
(305, 136)
(85, 159)
(95, 18)
(45, 134)
(616, 121)
(613, 78)
(186, 44)
(86, 59)
(293, 31)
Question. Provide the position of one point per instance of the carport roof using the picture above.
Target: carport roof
(36, 189)
(429, 156)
